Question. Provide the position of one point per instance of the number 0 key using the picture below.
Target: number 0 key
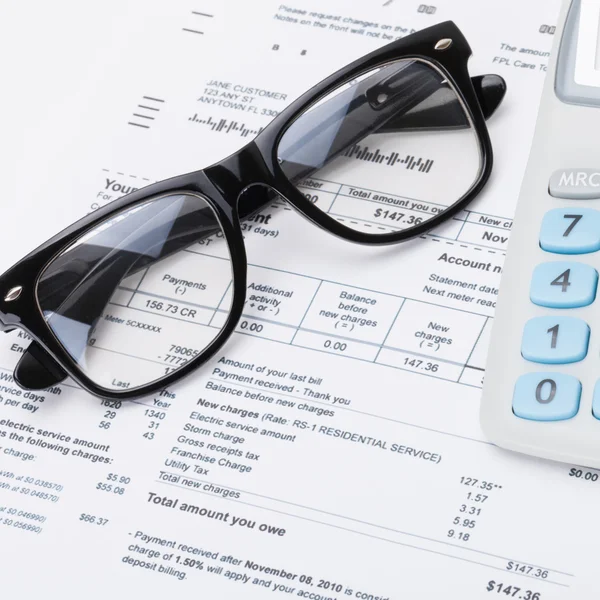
(546, 396)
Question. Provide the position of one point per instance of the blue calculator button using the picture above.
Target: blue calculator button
(563, 285)
(555, 340)
(596, 401)
(571, 231)
(546, 396)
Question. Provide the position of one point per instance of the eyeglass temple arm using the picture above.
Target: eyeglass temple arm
(489, 89)
(37, 370)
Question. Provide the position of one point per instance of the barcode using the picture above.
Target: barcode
(409, 161)
(226, 126)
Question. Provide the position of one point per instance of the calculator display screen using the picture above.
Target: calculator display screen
(587, 62)
(577, 77)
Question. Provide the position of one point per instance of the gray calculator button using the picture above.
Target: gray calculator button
(575, 184)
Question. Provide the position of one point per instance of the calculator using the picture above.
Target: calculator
(541, 392)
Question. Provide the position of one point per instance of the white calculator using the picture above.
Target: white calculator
(541, 391)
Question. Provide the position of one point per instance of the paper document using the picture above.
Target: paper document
(332, 448)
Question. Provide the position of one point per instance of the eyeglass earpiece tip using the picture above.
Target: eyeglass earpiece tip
(490, 90)
(36, 370)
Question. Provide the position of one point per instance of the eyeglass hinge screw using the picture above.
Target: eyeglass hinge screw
(443, 44)
(13, 293)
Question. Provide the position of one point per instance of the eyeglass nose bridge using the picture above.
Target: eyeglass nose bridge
(239, 172)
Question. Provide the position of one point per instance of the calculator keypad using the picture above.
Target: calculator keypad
(546, 396)
(563, 285)
(559, 339)
(571, 231)
(555, 340)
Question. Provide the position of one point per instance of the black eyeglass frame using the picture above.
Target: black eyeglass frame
(223, 184)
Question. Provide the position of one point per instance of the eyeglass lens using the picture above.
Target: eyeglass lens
(135, 283)
(386, 151)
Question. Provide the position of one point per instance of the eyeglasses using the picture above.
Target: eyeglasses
(381, 151)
